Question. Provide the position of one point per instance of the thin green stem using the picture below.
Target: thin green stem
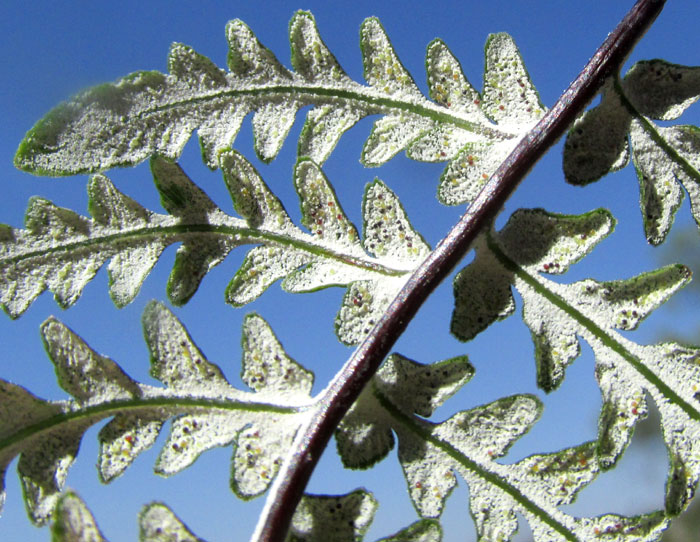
(611, 341)
(101, 411)
(342, 392)
(651, 129)
(305, 94)
(179, 232)
(422, 430)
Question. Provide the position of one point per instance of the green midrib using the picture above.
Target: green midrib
(650, 128)
(121, 407)
(608, 339)
(492, 478)
(305, 95)
(144, 236)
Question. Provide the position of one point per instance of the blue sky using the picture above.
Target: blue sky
(51, 50)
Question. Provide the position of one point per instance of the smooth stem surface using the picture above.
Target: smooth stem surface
(338, 397)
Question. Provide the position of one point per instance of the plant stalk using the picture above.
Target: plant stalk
(338, 397)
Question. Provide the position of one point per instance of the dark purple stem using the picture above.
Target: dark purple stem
(312, 438)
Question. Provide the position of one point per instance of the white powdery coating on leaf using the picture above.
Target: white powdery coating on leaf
(482, 292)
(420, 531)
(661, 90)
(271, 124)
(553, 332)
(383, 69)
(390, 135)
(388, 234)
(324, 127)
(509, 95)
(549, 242)
(191, 435)
(176, 360)
(623, 304)
(266, 367)
(330, 518)
(417, 388)
(157, 523)
(260, 450)
(322, 213)
(43, 469)
(493, 511)
(263, 266)
(466, 175)
(82, 372)
(364, 435)
(363, 305)
(73, 522)
(660, 194)
(124, 438)
(449, 86)
(310, 56)
(486, 432)
(441, 143)
(660, 172)
(560, 474)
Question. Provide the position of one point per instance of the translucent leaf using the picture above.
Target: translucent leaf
(323, 128)
(73, 522)
(19, 409)
(551, 242)
(157, 523)
(660, 170)
(597, 142)
(321, 212)
(383, 69)
(425, 530)
(661, 90)
(482, 293)
(467, 174)
(387, 232)
(132, 238)
(448, 84)
(149, 113)
(252, 199)
(271, 124)
(364, 436)
(82, 372)
(389, 136)
(419, 388)
(328, 518)
(310, 56)
(466, 444)
(663, 156)
(43, 468)
(261, 268)
(206, 411)
(431, 476)
(559, 315)
(124, 438)
(175, 360)
(642, 528)
(561, 474)
(509, 95)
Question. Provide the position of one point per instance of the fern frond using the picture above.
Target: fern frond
(558, 314)
(318, 518)
(73, 522)
(149, 113)
(665, 158)
(63, 251)
(467, 444)
(206, 410)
